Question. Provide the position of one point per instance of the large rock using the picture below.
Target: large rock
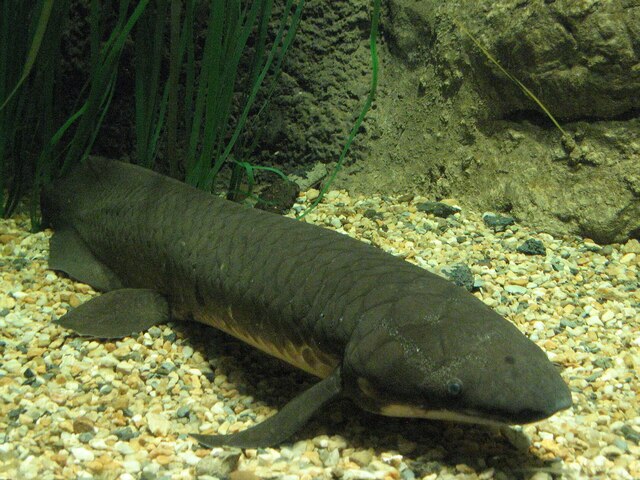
(449, 123)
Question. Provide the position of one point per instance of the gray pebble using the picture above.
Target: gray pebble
(220, 466)
(532, 246)
(438, 209)
(499, 223)
(407, 474)
(183, 412)
(516, 289)
(630, 434)
(125, 433)
(86, 437)
(461, 275)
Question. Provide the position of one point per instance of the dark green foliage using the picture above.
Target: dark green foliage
(193, 96)
(35, 143)
(29, 33)
(212, 136)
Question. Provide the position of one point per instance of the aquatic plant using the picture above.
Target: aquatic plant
(202, 95)
(32, 148)
(31, 67)
(511, 77)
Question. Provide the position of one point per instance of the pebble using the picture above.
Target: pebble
(82, 454)
(85, 409)
(158, 424)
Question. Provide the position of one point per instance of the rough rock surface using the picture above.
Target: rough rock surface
(449, 123)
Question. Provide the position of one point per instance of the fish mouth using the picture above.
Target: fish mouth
(479, 416)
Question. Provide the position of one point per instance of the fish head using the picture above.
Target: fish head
(459, 361)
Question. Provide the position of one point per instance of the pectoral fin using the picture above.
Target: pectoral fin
(118, 313)
(286, 422)
(69, 254)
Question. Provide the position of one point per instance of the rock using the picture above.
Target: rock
(515, 289)
(82, 424)
(278, 197)
(218, 466)
(532, 246)
(362, 457)
(158, 424)
(183, 412)
(438, 209)
(461, 275)
(243, 475)
(82, 454)
(125, 433)
(499, 223)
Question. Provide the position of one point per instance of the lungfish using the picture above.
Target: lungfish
(394, 338)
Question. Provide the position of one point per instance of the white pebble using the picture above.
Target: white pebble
(98, 444)
(189, 457)
(82, 454)
(12, 366)
(158, 424)
(132, 466)
(124, 448)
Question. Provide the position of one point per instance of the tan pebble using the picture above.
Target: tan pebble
(25, 419)
(313, 456)
(121, 351)
(203, 452)
(7, 302)
(65, 296)
(66, 425)
(464, 468)
(118, 419)
(29, 299)
(35, 352)
(58, 397)
(6, 238)
(243, 475)
(82, 425)
(6, 381)
(120, 403)
(312, 194)
(74, 301)
(541, 476)
(549, 445)
(632, 246)
(95, 466)
(133, 381)
(60, 459)
(629, 361)
(45, 421)
(82, 287)
(487, 474)
(628, 258)
(160, 451)
(550, 345)
(164, 459)
(362, 458)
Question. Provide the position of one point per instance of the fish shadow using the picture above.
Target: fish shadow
(426, 445)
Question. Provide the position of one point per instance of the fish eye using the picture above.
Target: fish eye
(454, 387)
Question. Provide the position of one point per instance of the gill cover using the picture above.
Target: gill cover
(460, 361)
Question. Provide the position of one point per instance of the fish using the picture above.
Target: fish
(392, 337)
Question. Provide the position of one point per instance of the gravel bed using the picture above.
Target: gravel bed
(84, 409)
